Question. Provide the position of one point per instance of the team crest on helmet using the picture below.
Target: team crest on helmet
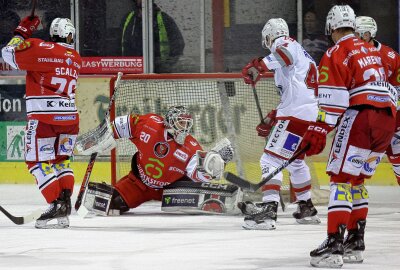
(161, 149)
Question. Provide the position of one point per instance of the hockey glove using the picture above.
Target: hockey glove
(252, 71)
(315, 136)
(27, 26)
(264, 128)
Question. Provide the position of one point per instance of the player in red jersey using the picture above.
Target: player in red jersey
(53, 122)
(352, 87)
(366, 29)
(166, 153)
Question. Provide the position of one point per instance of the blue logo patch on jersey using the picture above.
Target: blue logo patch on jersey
(68, 61)
(64, 117)
(291, 143)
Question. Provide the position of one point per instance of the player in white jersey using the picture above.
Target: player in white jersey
(296, 77)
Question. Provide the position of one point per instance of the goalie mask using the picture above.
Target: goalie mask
(340, 17)
(178, 122)
(366, 24)
(60, 29)
(273, 29)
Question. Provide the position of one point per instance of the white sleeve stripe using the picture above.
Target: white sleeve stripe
(332, 105)
(329, 87)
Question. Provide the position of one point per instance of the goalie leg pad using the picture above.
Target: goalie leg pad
(200, 198)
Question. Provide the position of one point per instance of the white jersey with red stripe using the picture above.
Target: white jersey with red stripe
(296, 77)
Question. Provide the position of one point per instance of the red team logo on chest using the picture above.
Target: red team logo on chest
(161, 149)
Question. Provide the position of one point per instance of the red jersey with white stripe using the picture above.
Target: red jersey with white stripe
(52, 73)
(353, 73)
(160, 160)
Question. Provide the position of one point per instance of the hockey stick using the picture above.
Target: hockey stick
(260, 114)
(23, 219)
(246, 185)
(34, 2)
(93, 156)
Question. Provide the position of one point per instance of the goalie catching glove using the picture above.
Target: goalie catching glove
(213, 162)
(99, 140)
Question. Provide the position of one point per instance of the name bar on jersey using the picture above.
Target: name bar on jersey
(42, 104)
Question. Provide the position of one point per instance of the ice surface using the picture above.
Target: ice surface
(147, 238)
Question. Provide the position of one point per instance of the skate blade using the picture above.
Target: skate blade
(62, 223)
(309, 220)
(353, 256)
(327, 261)
(252, 225)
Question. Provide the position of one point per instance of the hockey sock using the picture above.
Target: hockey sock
(360, 206)
(340, 205)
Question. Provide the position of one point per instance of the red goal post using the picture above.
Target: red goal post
(220, 103)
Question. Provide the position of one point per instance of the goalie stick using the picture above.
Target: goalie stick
(93, 156)
(260, 114)
(22, 219)
(246, 185)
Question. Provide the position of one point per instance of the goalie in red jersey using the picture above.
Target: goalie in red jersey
(355, 96)
(166, 153)
(53, 121)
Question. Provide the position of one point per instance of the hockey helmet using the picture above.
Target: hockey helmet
(62, 27)
(340, 16)
(366, 24)
(178, 122)
(274, 28)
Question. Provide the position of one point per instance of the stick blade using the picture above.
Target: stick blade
(22, 219)
(32, 217)
(238, 181)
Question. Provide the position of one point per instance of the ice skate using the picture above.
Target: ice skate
(59, 210)
(248, 207)
(263, 218)
(330, 253)
(306, 213)
(354, 244)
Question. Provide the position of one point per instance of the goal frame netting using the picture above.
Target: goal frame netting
(268, 101)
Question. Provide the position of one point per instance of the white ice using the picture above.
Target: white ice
(147, 238)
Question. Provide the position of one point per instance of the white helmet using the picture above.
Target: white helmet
(366, 24)
(178, 122)
(339, 17)
(273, 29)
(62, 27)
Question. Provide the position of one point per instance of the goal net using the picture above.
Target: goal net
(220, 104)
